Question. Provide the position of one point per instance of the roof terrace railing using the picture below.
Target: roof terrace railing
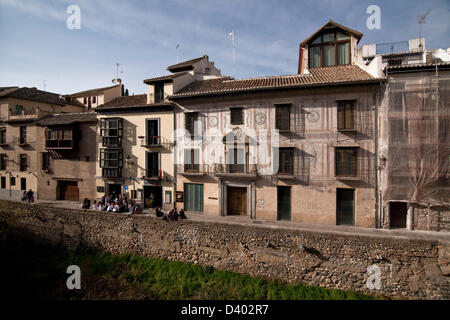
(392, 47)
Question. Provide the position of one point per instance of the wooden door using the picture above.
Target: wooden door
(284, 203)
(69, 191)
(237, 201)
(345, 207)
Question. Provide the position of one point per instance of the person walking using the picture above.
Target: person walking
(30, 196)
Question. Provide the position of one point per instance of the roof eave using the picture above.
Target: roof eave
(312, 85)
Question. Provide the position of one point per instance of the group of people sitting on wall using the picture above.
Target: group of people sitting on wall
(172, 215)
(113, 203)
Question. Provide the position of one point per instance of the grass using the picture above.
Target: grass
(108, 276)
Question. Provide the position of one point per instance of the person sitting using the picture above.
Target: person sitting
(175, 215)
(94, 205)
(182, 214)
(166, 216)
(102, 206)
(116, 207)
(110, 207)
(86, 204)
(159, 213)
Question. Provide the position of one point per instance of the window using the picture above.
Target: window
(159, 92)
(3, 161)
(45, 161)
(94, 99)
(286, 163)
(18, 110)
(237, 116)
(236, 160)
(111, 158)
(23, 162)
(112, 172)
(191, 160)
(346, 115)
(67, 134)
(23, 135)
(3, 182)
(85, 100)
(329, 49)
(346, 162)
(3, 136)
(192, 123)
(283, 117)
(152, 165)
(152, 132)
(12, 181)
(111, 131)
(52, 134)
(23, 183)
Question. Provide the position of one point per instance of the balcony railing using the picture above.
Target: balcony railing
(59, 144)
(153, 174)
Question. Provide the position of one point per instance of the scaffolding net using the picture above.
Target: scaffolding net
(418, 157)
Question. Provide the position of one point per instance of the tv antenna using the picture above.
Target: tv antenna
(231, 34)
(177, 49)
(421, 19)
(43, 81)
(117, 70)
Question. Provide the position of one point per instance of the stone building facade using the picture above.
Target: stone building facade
(298, 148)
(68, 163)
(22, 142)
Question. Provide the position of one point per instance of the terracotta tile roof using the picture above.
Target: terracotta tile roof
(317, 77)
(33, 95)
(185, 64)
(332, 23)
(165, 78)
(135, 101)
(126, 101)
(67, 118)
(92, 91)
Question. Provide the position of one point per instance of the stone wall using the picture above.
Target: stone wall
(408, 268)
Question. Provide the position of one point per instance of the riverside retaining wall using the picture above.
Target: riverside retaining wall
(407, 268)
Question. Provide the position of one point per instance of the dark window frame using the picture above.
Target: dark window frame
(283, 117)
(191, 165)
(237, 116)
(45, 161)
(286, 160)
(111, 158)
(334, 43)
(346, 122)
(346, 161)
(3, 159)
(23, 162)
(150, 171)
(191, 122)
(23, 135)
(159, 92)
(3, 136)
(111, 131)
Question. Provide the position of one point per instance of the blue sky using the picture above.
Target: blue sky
(142, 36)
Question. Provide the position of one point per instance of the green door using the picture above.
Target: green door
(284, 203)
(345, 207)
(193, 197)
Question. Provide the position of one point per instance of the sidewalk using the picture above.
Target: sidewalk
(287, 225)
